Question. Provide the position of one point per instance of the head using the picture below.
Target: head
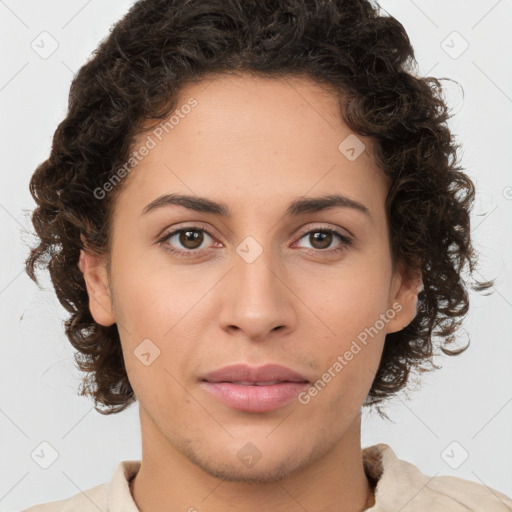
(258, 107)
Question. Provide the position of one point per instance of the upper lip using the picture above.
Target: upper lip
(246, 373)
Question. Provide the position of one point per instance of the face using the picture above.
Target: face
(311, 289)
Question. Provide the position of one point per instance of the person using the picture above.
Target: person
(254, 214)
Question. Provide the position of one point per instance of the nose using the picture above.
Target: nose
(257, 300)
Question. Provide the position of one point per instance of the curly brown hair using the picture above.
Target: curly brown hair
(135, 76)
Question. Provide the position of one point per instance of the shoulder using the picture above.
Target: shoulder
(91, 500)
(113, 496)
(469, 495)
(402, 486)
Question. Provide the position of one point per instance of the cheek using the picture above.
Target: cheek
(349, 302)
(150, 297)
(354, 315)
(152, 320)
(347, 369)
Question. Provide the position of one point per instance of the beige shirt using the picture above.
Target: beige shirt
(400, 486)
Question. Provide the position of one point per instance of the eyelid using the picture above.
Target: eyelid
(190, 226)
(326, 227)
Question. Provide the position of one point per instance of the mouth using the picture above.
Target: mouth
(254, 389)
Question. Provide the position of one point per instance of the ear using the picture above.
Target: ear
(406, 285)
(94, 269)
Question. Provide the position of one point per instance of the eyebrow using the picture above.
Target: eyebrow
(297, 207)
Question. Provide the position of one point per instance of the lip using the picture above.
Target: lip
(246, 373)
(254, 389)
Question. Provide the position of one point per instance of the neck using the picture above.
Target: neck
(169, 481)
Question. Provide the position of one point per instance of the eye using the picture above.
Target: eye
(190, 238)
(321, 239)
(187, 241)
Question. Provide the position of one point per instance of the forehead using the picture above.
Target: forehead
(246, 140)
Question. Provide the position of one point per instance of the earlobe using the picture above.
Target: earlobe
(93, 268)
(407, 285)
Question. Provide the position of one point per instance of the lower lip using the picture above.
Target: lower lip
(255, 398)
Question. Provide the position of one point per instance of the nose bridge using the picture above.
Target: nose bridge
(257, 299)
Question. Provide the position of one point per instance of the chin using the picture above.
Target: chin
(256, 471)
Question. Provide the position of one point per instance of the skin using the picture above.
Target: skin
(255, 144)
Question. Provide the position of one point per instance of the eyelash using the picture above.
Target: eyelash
(346, 242)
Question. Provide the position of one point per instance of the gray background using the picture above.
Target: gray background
(462, 410)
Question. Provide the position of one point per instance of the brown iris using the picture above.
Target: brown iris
(191, 236)
(325, 239)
